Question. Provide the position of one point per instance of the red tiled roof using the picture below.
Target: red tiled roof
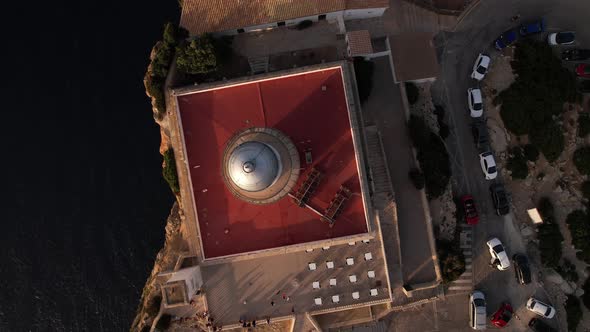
(200, 16)
(359, 42)
(299, 107)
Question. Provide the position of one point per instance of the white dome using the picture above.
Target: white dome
(254, 166)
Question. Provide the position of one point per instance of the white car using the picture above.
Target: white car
(475, 102)
(488, 165)
(477, 311)
(561, 38)
(540, 308)
(499, 255)
(480, 68)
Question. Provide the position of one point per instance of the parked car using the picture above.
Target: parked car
(583, 70)
(522, 270)
(538, 325)
(477, 311)
(501, 317)
(471, 216)
(561, 38)
(500, 199)
(475, 101)
(480, 68)
(532, 27)
(540, 308)
(575, 55)
(480, 134)
(499, 255)
(488, 165)
(506, 39)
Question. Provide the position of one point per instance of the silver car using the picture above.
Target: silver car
(540, 308)
(477, 311)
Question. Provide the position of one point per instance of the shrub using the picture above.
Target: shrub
(568, 271)
(417, 178)
(444, 130)
(586, 189)
(577, 222)
(412, 92)
(197, 56)
(153, 306)
(163, 323)
(451, 260)
(582, 160)
(517, 164)
(549, 235)
(574, 312)
(531, 152)
(363, 70)
(418, 131)
(304, 24)
(169, 171)
(583, 125)
(155, 88)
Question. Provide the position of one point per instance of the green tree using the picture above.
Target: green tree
(549, 235)
(517, 164)
(169, 171)
(197, 56)
(531, 152)
(574, 312)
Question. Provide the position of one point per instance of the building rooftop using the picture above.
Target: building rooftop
(311, 108)
(414, 56)
(200, 16)
(359, 42)
(245, 289)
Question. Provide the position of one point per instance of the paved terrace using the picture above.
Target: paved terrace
(262, 280)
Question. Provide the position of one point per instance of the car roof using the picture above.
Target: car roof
(490, 159)
(494, 242)
(476, 93)
(485, 60)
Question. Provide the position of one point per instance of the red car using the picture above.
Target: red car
(471, 216)
(503, 315)
(583, 70)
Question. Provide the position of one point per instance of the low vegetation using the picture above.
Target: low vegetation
(169, 171)
(412, 92)
(579, 226)
(568, 271)
(197, 56)
(517, 164)
(586, 296)
(586, 189)
(432, 156)
(583, 125)
(163, 53)
(451, 259)
(443, 131)
(549, 235)
(534, 102)
(582, 160)
(531, 152)
(574, 312)
(363, 71)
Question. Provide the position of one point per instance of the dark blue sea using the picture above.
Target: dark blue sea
(83, 203)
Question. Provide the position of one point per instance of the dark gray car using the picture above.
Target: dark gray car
(500, 199)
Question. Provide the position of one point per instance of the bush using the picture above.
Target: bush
(169, 171)
(197, 56)
(163, 323)
(363, 71)
(583, 125)
(586, 189)
(444, 130)
(574, 312)
(412, 92)
(531, 152)
(419, 132)
(549, 235)
(577, 222)
(451, 260)
(517, 164)
(549, 138)
(582, 160)
(153, 306)
(417, 178)
(568, 271)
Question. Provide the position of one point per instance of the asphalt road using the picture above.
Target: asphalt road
(457, 53)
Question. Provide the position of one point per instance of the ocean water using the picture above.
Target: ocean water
(83, 203)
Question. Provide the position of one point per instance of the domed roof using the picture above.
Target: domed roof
(253, 166)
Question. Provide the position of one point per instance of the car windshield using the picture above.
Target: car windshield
(506, 315)
(481, 69)
(498, 248)
(479, 302)
(548, 311)
(564, 37)
(492, 170)
(479, 106)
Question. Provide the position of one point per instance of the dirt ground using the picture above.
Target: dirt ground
(560, 180)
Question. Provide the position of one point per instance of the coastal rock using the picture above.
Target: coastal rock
(566, 288)
(579, 292)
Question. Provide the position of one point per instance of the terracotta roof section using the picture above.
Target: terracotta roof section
(200, 16)
(359, 42)
(414, 56)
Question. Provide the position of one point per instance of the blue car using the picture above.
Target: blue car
(533, 27)
(506, 39)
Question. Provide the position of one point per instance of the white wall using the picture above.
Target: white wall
(356, 14)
